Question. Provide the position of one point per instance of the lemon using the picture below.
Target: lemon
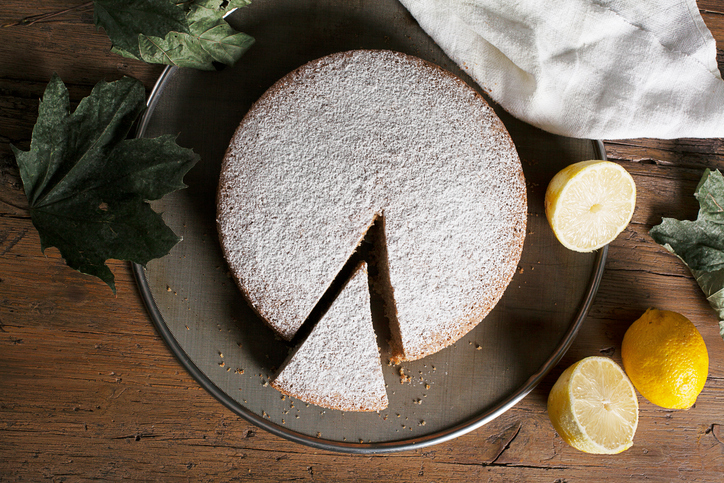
(666, 358)
(593, 406)
(589, 203)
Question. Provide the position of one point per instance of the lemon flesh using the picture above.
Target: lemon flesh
(666, 358)
(589, 203)
(593, 407)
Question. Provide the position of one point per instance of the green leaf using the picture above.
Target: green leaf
(712, 283)
(700, 244)
(124, 20)
(218, 44)
(88, 186)
(198, 39)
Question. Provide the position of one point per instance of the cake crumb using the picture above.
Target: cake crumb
(478, 347)
(221, 364)
(422, 423)
(404, 378)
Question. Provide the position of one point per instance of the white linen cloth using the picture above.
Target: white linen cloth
(599, 69)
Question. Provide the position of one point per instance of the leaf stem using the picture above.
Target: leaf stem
(44, 17)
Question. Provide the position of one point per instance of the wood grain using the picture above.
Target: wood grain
(89, 391)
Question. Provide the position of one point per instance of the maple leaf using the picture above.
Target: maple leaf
(88, 186)
(184, 34)
(700, 243)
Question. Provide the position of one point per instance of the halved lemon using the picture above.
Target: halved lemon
(589, 203)
(593, 407)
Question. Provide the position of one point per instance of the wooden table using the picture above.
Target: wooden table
(88, 390)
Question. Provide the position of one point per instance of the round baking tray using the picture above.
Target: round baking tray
(199, 312)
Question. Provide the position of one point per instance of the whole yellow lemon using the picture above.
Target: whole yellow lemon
(666, 359)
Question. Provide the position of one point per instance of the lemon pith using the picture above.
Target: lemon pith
(666, 358)
(589, 203)
(593, 407)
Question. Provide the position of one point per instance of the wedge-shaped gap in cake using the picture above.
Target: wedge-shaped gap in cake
(372, 249)
(338, 365)
(359, 254)
(382, 294)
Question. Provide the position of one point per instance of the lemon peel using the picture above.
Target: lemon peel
(666, 358)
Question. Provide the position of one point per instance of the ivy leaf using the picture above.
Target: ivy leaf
(123, 20)
(700, 244)
(712, 283)
(186, 34)
(88, 186)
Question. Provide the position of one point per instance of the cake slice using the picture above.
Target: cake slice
(338, 365)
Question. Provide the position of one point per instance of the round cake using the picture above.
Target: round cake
(364, 137)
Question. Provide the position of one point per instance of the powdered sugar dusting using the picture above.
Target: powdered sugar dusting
(338, 365)
(362, 133)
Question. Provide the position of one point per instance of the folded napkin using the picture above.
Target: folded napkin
(599, 69)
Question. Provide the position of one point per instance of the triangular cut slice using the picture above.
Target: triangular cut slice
(338, 365)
